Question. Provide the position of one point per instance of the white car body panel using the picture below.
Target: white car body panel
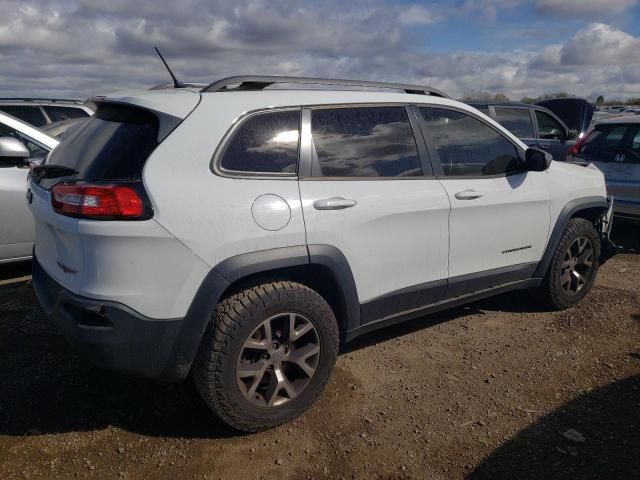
(396, 237)
(17, 232)
(508, 225)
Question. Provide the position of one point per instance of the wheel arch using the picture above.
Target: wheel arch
(321, 267)
(590, 208)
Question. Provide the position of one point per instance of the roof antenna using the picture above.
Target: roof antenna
(176, 83)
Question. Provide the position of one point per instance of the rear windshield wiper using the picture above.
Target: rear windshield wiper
(51, 171)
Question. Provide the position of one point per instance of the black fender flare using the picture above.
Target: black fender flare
(569, 210)
(241, 266)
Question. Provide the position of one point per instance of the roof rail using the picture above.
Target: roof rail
(260, 82)
(36, 99)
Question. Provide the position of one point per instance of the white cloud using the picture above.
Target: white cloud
(417, 15)
(93, 47)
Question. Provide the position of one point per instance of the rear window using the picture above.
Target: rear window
(603, 138)
(30, 114)
(114, 144)
(57, 114)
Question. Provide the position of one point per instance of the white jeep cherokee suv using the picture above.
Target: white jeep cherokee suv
(241, 233)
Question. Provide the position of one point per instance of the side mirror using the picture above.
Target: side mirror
(536, 160)
(572, 134)
(13, 153)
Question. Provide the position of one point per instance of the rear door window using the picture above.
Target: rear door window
(516, 120)
(30, 114)
(466, 146)
(57, 113)
(363, 142)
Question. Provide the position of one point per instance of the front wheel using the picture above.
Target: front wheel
(574, 265)
(266, 355)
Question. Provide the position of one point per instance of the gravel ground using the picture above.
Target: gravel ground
(499, 389)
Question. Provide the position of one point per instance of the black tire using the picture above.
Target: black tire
(552, 291)
(234, 321)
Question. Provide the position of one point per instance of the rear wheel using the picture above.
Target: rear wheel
(266, 355)
(574, 265)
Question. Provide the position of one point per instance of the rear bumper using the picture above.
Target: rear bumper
(108, 334)
(627, 209)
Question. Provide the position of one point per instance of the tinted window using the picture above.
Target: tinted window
(31, 115)
(114, 144)
(466, 146)
(64, 113)
(548, 127)
(364, 142)
(516, 120)
(604, 142)
(265, 143)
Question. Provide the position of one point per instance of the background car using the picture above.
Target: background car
(535, 125)
(60, 129)
(16, 234)
(42, 111)
(614, 147)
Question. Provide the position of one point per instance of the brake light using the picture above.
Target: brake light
(575, 150)
(106, 202)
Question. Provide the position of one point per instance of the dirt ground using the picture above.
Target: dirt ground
(499, 389)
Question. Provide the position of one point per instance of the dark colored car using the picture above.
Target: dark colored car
(535, 125)
(614, 147)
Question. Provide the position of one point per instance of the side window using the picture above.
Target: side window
(364, 142)
(466, 146)
(35, 150)
(30, 114)
(516, 120)
(57, 114)
(6, 131)
(265, 143)
(549, 127)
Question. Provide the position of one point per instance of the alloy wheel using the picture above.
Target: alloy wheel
(278, 359)
(576, 265)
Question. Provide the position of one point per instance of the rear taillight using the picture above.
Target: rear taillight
(100, 202)
(575, 150)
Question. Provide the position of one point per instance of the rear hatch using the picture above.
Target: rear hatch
(95, 175)
(615, 149)
(576, 113)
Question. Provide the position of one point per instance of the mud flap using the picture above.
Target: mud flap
(605, 223)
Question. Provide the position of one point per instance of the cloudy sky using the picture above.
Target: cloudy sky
(81, 48)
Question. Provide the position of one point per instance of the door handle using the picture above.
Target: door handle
(334, 203)
(468, 195)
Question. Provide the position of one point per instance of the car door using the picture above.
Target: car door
(499, 219)
(551, 135)
(16, 234)
(367, 191)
